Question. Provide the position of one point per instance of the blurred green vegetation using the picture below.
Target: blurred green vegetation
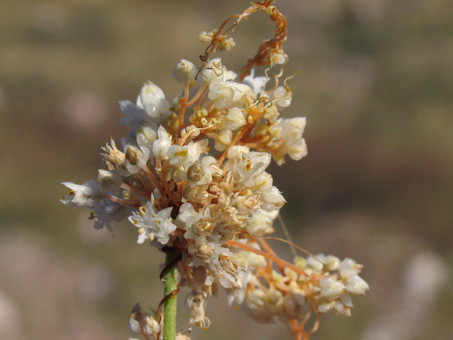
(374, 79)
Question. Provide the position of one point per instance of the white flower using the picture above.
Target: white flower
(273, 199)
(293, 129)
(206, 37)
(221, 94)
(294, 145)
(134, 115)
(146, 135)
(315, 263)
(274, 301)
(230, 76)
(134, 325)
(263, 182)
(271, 114)
(136, 158)
(184, 72)
(180, 336)
(281, 96)
(356, 285)
(197, 302)
(187, 154)
(109, 180)
(228, 93)
(248, 165)
(223, 139)
(113, 155)
(342, 309)
(108, 211)
(189, 217)
(332, 262)
(237, 151)
(256, 83)
(278, 57)
(82, 195)
(152, 224)
(234, 119)
(326, 306)
(214, 71)
(243, 94)
(250, 260)
(152, 327)
(349, 267)
(152, 100)
(255, 300)
(201, 173)
(261, 222)
(331, 288)
(226, 44)
(162, 144)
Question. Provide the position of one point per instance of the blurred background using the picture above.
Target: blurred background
(375, 81)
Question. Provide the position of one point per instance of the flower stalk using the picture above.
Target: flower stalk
(170, 280)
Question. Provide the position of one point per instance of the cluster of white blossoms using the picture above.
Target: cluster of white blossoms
(191, 177)
(322, 283)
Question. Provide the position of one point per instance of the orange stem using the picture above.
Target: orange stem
(281, 263)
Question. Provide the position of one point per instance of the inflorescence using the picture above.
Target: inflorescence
(191, 177)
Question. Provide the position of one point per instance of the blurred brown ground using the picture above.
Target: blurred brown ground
(375, 81)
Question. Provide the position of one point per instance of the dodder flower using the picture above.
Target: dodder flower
(213, 207)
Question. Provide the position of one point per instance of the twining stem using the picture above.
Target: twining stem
(170, 285)
(278, 261)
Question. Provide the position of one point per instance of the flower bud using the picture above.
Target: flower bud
(206, 37)
(278, 58)
(134, 325)
(134, 320)
(356, 285)
(274, 301)
(146, 136)
(300, 262)
(282, 96)
(109, 180)
(153, 101)
(331, 288)
(226, 44)
(326, 307)
(234, 119)
(152, 327)
(332, 262)
(184, 71)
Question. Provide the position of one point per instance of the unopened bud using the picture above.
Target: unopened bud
(278, 58)
(146, 136)
(184, 71)
(153, 100)
(206, 37)
(109, 180)
(151, 326)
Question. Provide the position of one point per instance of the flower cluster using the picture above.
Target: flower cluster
(191, 177)
(321, 283)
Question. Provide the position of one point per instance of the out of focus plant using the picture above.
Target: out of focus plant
(191, 177)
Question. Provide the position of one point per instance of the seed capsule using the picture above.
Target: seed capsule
(195, 172)
(132, 154)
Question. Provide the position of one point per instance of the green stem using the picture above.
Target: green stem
(170, 285)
